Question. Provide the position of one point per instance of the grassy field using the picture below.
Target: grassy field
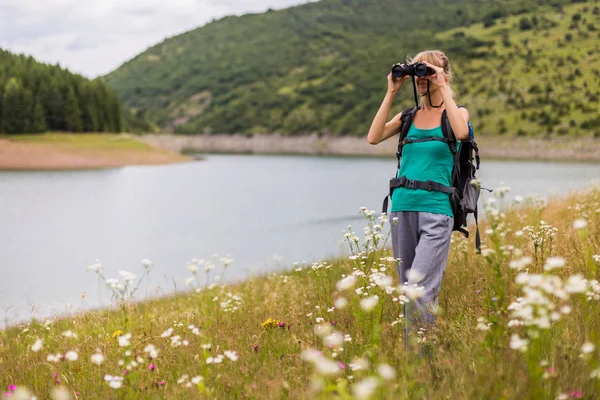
(78, 151)
(519, 321)
(97, 141)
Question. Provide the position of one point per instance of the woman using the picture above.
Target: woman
(422, 219)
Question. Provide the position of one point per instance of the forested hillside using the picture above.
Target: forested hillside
(321, 67)
(36, 97)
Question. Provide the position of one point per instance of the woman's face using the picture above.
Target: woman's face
(422, 85)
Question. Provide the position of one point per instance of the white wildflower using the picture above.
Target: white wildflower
(369, 303)
(97, 358)
(124, 340)
(340, 303)
(192, 268)
(69, 334)
(127, 276)
(151, 350)
(386, 371)
(365, 388)
(576, 284)
(517, 343)
(71, 355)
(554, 263)
(579, 224)
(37, 346)
(60, 393)
(346, 283)
(232, 355)
(96, 267)
(167, 333)
(587, 348)
(483, 325)
(334, 340)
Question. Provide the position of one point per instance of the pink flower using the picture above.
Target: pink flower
(54, 375)
(255, 347)
(58, 381)
(281, 324)
(163, 383)
(151, 367)
(332, 322)
(8, 394)
(342, 365)
(124, 372)
(577, 394)
(12, 387)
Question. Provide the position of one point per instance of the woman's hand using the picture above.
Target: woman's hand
(439, 77)
(394, 84)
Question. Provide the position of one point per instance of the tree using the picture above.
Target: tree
(14, 111)
(38, 121)
(73, 120)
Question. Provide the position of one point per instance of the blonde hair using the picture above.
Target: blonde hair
(437, 58)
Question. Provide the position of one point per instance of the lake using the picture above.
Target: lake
(267, 212)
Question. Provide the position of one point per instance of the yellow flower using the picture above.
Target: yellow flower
(117, 333)
(270, 323)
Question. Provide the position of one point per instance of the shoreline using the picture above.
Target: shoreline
(66, 151)
(491, 147)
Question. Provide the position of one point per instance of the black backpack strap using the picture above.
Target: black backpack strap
(477, 236)
(384, 207)
(448, 133)
(403, 181)
(427, 139)
(405, 122)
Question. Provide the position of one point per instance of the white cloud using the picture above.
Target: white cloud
(95, 37)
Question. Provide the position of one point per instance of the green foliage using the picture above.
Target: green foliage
(36, 97)
(321, 67)
(525, 24)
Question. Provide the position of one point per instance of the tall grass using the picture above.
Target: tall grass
(519, 321)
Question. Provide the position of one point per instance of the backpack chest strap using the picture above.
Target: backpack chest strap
(421, 140)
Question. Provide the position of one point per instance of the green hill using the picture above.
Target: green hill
(321, 67)
(540, 75)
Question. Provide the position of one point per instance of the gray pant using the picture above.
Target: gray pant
(421, 240)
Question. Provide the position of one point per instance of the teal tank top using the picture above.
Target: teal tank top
(425, 161)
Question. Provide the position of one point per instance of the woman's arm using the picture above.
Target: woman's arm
(380, 130)
(458, 117)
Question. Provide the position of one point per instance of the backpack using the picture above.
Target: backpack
(463, 194)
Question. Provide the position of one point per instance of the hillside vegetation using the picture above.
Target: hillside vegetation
(37, 97)
(318, 67)
(537, 74)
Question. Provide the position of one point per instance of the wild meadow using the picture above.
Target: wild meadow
(521, 320)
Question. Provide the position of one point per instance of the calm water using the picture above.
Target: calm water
(54, 224)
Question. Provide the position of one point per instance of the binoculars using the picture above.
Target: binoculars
(416, 69)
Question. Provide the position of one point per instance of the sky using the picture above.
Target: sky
(94, 37)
